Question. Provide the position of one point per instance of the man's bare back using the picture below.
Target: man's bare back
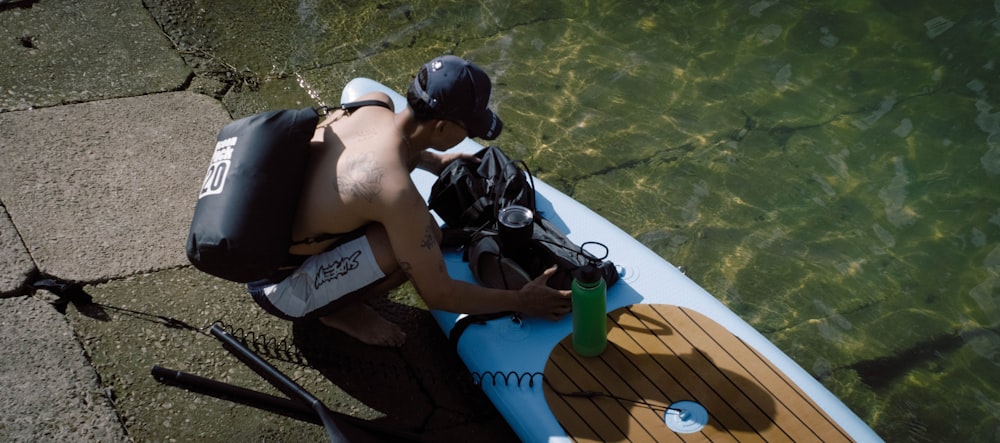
(350, 154)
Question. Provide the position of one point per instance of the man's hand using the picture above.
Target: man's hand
(537, 299)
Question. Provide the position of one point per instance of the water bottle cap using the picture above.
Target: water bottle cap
(587, 274)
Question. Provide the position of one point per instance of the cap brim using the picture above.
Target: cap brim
(486, 125)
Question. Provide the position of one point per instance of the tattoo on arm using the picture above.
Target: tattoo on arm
(428, 241)
(362, 177)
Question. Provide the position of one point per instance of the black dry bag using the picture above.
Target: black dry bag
(242, 225)
(469, 194)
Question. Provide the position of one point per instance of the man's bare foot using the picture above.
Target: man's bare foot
(365, 324)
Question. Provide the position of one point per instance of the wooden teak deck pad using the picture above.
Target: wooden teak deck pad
(661, 354)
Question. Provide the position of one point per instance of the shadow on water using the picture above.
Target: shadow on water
(881, 372)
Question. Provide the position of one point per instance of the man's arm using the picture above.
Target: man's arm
(412, 236)
(435, 163)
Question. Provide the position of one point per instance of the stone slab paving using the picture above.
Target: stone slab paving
(106, 189)
(50, 391)
(58, 52)
(16, 267)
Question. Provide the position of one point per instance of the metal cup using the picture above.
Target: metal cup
(516, 225)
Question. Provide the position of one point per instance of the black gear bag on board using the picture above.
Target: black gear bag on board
(242, 224)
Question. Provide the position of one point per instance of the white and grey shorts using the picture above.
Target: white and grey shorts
(323, 281)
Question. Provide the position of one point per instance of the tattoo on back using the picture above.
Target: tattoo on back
(362, 177)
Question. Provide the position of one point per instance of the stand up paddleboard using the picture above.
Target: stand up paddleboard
(679, 365)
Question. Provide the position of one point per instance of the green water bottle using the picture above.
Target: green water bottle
(590, 326)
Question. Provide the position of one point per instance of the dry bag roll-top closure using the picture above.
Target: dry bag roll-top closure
(242, 224)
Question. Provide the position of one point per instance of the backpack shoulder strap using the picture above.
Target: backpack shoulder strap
(353, 106)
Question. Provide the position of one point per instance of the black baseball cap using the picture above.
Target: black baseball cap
(456, 89)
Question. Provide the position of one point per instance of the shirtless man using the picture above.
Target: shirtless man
(359, 185)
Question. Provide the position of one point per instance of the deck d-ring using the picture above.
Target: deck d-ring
(685, 417)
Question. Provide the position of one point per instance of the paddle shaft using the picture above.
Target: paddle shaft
(280, 381)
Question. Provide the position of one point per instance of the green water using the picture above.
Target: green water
(830, 170)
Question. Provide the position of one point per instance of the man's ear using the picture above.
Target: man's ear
(440, 126)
